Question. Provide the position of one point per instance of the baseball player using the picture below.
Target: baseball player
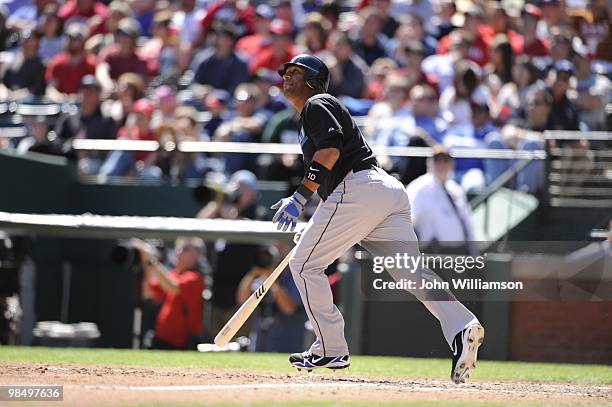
(361, 204)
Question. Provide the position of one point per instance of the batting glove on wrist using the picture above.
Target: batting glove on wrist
(288, 210)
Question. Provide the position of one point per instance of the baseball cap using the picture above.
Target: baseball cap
(77, 30)
(90, 81)
(481, 98)
(218, 98)
(163, 17)
(314, 18)
(225, 27)
(280, 27)
(144, 106)
(563, 66)
(129, 27)
(265, 11)
(164, 92)
(188, 112)
(474, 11)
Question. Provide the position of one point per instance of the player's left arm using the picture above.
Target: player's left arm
(325, 157)
(289, 209)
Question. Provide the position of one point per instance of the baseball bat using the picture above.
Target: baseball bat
(244, 312)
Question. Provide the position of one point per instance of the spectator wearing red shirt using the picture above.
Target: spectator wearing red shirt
(280, 51)
(500, 24)
(93, 12)
(479, 50)
(66, 70)
(252, 44)
(121, 57)
(533, 46)
(180, 319)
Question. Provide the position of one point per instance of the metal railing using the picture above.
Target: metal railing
(279, 148)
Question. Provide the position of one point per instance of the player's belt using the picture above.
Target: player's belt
(366, 165)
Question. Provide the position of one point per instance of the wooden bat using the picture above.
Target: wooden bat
(244, 312)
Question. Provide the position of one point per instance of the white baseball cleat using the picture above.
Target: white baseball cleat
(465, 352)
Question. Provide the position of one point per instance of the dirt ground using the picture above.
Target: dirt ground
(86, 385)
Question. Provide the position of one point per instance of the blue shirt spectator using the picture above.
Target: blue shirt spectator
(370, 43)
(220, 66)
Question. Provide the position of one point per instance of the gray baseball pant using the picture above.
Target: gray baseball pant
(371, 208)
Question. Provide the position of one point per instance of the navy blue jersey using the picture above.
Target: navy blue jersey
(325, 122)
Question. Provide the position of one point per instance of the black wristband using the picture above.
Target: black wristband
(305, 192)
(317, 172)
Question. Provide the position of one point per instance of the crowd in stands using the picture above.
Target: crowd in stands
(440, 73)
(469, 74)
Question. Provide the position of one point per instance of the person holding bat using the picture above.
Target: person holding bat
(362, 204)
